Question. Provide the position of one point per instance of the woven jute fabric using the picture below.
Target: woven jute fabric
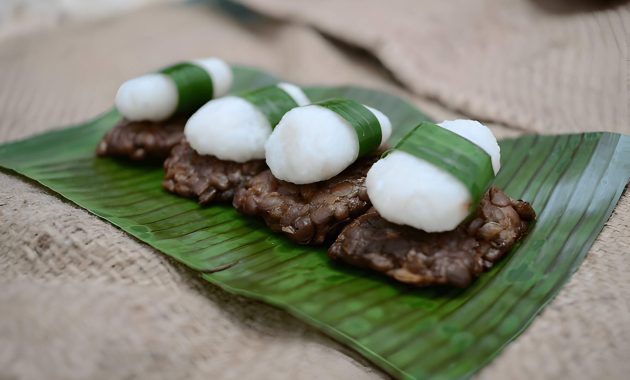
(80, 299)
(537, 65)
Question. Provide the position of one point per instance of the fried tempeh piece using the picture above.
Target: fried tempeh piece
(311, 213)
(206, 178)
(419, 258)
(142, 140)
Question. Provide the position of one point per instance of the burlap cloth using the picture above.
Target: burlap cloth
(81, 300)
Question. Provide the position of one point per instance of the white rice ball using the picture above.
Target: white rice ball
(480, 135)
(148, 97)
(220, 72)
(313, 143)
(386, 125)
(294, 92)
(407, 190)
(231, 128)
(154, 96)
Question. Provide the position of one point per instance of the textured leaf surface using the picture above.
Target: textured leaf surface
(573, 181)
(272, 101)
(364, 122)
(194, 86)
(453, 154)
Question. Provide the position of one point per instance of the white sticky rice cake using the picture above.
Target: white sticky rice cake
(407, 190)
(231, 128)
(313, 143)
(153, 97)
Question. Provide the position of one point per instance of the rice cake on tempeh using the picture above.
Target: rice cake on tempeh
(204, 177)
(310, 213)
(419, 258)
(142, 140)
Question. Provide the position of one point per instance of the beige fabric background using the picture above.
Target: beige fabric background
(81, 300)
(503, 60)
(25, 16)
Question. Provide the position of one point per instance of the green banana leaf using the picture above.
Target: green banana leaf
(573, 182)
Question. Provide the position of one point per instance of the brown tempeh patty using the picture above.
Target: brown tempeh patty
(206, 178)
(142, 140)
(419, 258)
(307, 214)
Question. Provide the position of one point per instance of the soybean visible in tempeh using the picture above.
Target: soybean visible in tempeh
(224, 142)
(142, 140)
(420, 258)
(155, 107)
(311, 213)
(206, 178)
